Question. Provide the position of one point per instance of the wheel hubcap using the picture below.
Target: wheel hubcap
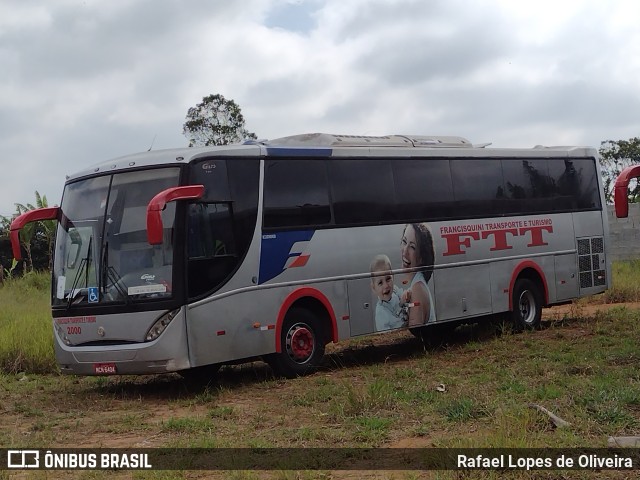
(527, 307)
(300, 343)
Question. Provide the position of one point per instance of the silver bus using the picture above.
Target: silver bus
(184, 260)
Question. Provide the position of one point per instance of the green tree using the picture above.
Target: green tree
(615, 156)
(215, 121)
(5, 247)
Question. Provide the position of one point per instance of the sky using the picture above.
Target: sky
(84, 81)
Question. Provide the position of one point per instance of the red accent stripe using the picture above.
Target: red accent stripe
(516, 271)
(345, 317)
(296, 295)
(301, 261)
(221, 332)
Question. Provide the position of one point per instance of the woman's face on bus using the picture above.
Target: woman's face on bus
(409, 248)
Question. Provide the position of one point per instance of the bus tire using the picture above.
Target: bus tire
(302, 342)
(527, 305)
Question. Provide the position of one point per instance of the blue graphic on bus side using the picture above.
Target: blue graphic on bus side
(281, 251)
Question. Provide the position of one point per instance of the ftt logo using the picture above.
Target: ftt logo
(23, 459)
(459, 238)
(297, 255)
(283, 250)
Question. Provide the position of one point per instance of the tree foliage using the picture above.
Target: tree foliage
(36, 239)
(615, 156)
(215, 121)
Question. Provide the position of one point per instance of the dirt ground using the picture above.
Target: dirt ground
(163, 398)
(134, 413)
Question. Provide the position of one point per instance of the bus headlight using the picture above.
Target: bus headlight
(161, 324)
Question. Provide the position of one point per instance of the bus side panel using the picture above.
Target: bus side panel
(591, 233)
(345, 255)
(463, 291)
(588, 224)
(505, 273)
(477, 261)
(242, 324)
(566, 277)
(230, 328)
(361, 307)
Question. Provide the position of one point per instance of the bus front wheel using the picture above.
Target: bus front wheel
(302, 345)
(527, 305)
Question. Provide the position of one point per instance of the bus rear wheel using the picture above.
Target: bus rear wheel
(302, 343)
(527, 305)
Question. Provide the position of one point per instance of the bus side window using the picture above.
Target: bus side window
(296, 193)
(478, 187)
(211, 246)
(210, 230)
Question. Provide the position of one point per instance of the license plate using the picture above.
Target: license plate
(105, 368)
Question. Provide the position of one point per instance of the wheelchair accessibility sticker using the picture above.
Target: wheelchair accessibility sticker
(93, 294)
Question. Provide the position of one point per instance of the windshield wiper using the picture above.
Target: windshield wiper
(84, 266)
(108, 274)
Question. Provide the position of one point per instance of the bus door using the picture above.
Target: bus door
(361, 307)
(211, 246)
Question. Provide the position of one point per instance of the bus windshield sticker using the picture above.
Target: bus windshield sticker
(62, 281)
(92, 295)
(144, 289)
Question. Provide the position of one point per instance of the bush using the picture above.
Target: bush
(26, 332)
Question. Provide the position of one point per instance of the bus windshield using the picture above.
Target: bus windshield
(102, 254)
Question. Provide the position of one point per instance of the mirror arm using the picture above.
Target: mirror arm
(48, 213)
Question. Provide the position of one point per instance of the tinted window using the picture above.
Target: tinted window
(220, 226)
(528, 186)
(296, 193)
(244, 179)
(576, 184)
(362, 191)
(478, 188)
(210, 230)
(211, 246)
(423, 189)
(234, 181)
(212, 173)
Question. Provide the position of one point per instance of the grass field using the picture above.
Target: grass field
(383, 391)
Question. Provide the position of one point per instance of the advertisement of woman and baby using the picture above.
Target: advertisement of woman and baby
(404, 299)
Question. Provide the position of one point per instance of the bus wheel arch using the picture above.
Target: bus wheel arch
(303, 328)
(528, 294)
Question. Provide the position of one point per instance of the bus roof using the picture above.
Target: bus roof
(166, 157)
(322, 144)
(330, 140)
